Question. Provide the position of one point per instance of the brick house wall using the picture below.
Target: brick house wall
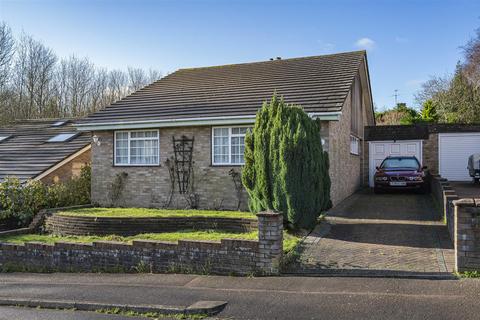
(149, 186)
(68, 170)
(341, 160)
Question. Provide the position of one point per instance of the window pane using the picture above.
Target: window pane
(220, 145)
(143, 147)
(121, 135)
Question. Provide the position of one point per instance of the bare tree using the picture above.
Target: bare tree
(471, 67)
(35, 84)
(137, 79)
(6, 52)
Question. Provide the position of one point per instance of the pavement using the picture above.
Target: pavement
(250, 298)
(394, 234)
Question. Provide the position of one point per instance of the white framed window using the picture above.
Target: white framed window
(354, 145)
(228, 145)
(137, 148)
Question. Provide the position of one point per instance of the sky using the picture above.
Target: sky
(406, 41)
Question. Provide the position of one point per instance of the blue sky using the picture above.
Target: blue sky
(407, 41)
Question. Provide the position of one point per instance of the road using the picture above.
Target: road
(252, 298)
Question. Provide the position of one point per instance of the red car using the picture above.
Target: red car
(401, 173)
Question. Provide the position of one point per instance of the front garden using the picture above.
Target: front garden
(286, 178)
(118, 215)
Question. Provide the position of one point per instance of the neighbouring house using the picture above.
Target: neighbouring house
(443, 148)
(47, 150)
(208, 111)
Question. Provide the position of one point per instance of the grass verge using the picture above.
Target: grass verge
(152, 213)
(289, 241)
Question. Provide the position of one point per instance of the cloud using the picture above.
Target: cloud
(401, 40)
(365, 43)
(326, 46)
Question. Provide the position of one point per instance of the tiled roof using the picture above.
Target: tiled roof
(26, 154)
(319, 84)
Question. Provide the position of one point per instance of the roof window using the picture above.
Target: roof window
(4, 138)
(59, 123)
(62, 137)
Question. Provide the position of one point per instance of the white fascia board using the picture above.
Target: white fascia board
(213, 121)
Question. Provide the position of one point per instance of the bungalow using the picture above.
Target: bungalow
(49, 150)
(198, 118)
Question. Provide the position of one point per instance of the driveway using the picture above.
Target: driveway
(388, 234)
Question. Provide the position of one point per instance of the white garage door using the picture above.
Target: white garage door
(379, 150)
(453, 152)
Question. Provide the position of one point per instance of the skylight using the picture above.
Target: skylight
(62, 137)
(59, 123)
(3, 138)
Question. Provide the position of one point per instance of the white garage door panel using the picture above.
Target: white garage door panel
(453, 153)
(379, 150)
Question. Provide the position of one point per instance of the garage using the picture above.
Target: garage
(453, 152)
(379, 150)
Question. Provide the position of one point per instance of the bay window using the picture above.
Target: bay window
(137, 148)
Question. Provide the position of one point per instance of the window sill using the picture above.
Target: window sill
(355, 154)
(136, 165)
(227, 165)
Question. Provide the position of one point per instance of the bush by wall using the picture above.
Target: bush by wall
(286, 168)
(20, 202)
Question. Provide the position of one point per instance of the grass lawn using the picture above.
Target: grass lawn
(144, 212)
(289, 241)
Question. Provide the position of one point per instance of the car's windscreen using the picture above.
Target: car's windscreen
(406, 163)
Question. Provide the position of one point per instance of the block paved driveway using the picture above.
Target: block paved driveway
(388, 234)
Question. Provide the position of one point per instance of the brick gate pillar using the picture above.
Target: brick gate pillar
(270, 238)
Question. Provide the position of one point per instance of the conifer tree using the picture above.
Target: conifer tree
(285, 167)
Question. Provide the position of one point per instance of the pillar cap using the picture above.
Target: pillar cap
(268, 213)
(465, 202)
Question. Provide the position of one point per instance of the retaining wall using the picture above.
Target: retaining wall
(226, 257)
(467, 234)
(76, 225)
(444, 196)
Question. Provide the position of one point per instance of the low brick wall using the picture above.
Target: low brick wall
(467, 234)
(75, 225)
(229, 256)
(444, 195)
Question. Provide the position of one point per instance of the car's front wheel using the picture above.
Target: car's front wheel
(377, 190)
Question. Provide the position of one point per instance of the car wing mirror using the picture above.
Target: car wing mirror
(377, 168)
(424, 168)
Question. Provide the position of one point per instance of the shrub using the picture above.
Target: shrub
(22, 201)
(285, 167)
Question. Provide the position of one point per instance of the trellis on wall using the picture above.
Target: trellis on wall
(183, 151)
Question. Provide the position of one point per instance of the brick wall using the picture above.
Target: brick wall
(77, 225)
(467, 234)
(227, 257)
(347, 171)
(430, 153)
(444, 195)
(69, 169)
(150, 186)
